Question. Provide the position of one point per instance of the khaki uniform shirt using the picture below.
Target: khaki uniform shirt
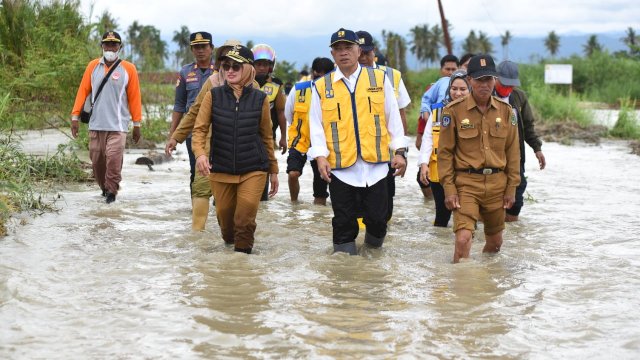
(470, 139)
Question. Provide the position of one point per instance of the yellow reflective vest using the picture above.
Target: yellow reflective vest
(354, 123)
(298, 132)
(436, 118)
(271, 89)
(394, 77)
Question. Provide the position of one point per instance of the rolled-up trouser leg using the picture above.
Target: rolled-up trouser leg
(349, 248)
(373, 241)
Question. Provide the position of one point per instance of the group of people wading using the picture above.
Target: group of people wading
(348, 118)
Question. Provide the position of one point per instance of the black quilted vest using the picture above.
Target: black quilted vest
(236, 145)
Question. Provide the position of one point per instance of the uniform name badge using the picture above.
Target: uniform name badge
(466, 124)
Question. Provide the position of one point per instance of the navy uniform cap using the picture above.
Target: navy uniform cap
(241, 54)
(200, 37)
(365, 40)
(481, 66)
(111, 36)
(344, 35)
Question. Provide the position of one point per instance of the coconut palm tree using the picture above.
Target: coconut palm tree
(504, 41)
(484, 43)
(181, 38)
(592, 46)
(552, 43)
(106, 22)
(396, 49)
(470, 44)
(420, 35)
(632, 41)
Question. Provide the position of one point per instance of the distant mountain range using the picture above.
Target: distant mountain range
(302, 51)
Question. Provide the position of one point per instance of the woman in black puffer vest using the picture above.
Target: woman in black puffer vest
(242, 154)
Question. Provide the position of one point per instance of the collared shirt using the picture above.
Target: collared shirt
(403, 95)
(362, 173)
(188, 85)
(470, 139)
(436, 93)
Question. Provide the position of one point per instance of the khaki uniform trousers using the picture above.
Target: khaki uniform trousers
(481, 198)
(237, 201)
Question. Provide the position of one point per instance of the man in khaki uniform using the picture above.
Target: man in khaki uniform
(479, 159)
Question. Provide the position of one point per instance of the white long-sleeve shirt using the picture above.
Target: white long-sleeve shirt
(362, 173)
(427, 142)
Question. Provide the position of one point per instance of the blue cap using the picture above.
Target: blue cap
(344, 35)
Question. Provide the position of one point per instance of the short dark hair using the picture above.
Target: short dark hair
(322, 65)
(304, 73)
(449, 58)
(466, 58)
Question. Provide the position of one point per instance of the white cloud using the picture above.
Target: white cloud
(250, 19)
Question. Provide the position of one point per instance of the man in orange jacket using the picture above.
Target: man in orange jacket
(118, 103)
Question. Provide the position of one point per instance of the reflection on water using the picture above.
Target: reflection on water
(131, 281)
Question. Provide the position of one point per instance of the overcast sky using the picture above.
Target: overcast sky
(249, 19)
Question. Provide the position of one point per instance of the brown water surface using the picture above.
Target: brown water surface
(130, 280)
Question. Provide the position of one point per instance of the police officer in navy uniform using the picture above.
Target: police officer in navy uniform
(189, 82)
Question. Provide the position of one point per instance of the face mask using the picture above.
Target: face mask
(110, 56)
(503, 91)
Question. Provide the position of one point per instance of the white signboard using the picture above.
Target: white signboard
(558, 74)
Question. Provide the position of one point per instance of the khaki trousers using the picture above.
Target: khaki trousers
(106, 149)
(237, 202)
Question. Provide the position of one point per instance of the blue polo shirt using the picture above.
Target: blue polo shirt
(436, 93)
(188, 85)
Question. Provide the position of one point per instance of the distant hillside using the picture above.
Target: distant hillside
(522, 49)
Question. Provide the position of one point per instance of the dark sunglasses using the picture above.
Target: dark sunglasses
(236, 67)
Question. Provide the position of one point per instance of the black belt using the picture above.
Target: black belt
(483, 171)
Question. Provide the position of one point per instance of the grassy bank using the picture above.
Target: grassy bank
(601, 78)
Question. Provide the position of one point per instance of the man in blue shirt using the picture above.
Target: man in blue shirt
(189, 83)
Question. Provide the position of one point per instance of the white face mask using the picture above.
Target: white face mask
(110, 56)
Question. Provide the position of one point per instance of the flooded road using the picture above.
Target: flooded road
(130, 280)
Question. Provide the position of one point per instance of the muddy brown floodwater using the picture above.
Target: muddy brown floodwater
(130, 280)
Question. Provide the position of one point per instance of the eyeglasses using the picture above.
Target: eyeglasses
(236, 67)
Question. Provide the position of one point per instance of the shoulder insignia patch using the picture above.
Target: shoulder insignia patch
(446, 120)
(178, 82)
(267, 90)
(514, 120)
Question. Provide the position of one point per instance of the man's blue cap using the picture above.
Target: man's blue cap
(344, 35)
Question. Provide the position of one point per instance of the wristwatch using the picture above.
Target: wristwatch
(402, 152)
